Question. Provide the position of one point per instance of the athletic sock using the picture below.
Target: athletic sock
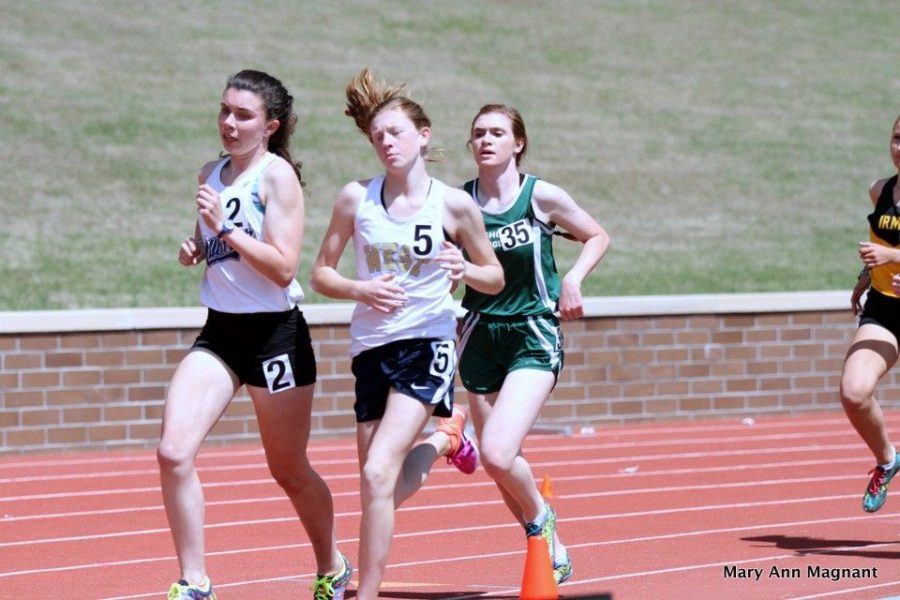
(560, 554)
(542, 516)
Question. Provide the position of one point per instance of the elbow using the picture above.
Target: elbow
(284, 277)
(497, 283)
(606, 240)
(315, 282)
(284, 281)
(319, 282)
(600, 243)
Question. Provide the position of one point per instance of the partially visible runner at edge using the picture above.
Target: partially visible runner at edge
(873, 350)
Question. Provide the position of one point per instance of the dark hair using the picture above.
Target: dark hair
(279, 105)
(366, 98)
(515, 117)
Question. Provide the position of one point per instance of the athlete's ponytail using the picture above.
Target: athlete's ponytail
(366, 98)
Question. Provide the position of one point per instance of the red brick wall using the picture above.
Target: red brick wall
(97, 379)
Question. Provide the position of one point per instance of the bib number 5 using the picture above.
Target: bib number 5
(444, 361)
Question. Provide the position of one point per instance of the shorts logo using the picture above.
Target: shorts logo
(279, 375)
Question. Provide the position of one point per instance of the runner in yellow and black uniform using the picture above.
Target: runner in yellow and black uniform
(875, 346)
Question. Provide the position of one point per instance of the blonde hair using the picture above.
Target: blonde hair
(366, 98)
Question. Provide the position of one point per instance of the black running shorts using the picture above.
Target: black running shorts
(423, 369)
(270, 350)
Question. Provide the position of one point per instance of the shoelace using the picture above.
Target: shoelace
(323, 588)
(877, 480)
(177, 591)
(181, 590)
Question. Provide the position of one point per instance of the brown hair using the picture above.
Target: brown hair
(279, 105)
(366, 98)
(515, 117)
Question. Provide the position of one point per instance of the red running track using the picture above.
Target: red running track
(676, 510)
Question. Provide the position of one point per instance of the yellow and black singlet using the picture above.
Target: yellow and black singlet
(884, 229)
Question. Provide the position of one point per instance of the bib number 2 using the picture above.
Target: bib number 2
(279, 375)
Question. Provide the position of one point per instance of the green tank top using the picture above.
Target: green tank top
(523, 245)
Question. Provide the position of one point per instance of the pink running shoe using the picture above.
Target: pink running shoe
(463, 453)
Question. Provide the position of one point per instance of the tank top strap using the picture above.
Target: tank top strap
(886, 198)
(254, 190)
(215, 177)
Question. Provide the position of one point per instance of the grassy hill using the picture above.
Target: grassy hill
(726, 146)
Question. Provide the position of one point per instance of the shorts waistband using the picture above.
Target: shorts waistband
(882, 296)
(251, 316)
(489, 318)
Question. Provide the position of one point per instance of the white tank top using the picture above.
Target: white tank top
(229, 283)
(406, 248)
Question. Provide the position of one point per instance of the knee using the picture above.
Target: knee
(496, 461)
(174, 457)
(292, 480)
(854, 395)
(376, 477)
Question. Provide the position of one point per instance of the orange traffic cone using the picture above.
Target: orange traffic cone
(546, 488)
(537, 581)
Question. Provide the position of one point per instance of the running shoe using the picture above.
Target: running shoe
(463, 453)
(182, 590)
(876, 492)
(562, 570)
(546, 529)
(332, 587)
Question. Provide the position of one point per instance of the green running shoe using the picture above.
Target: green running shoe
(547, 529)
(182, 590)
(332, 587)
(876, 492)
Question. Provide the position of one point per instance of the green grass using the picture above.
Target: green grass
(726, 147)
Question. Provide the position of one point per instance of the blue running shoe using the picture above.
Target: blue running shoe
(332, 587)
(876, 492)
